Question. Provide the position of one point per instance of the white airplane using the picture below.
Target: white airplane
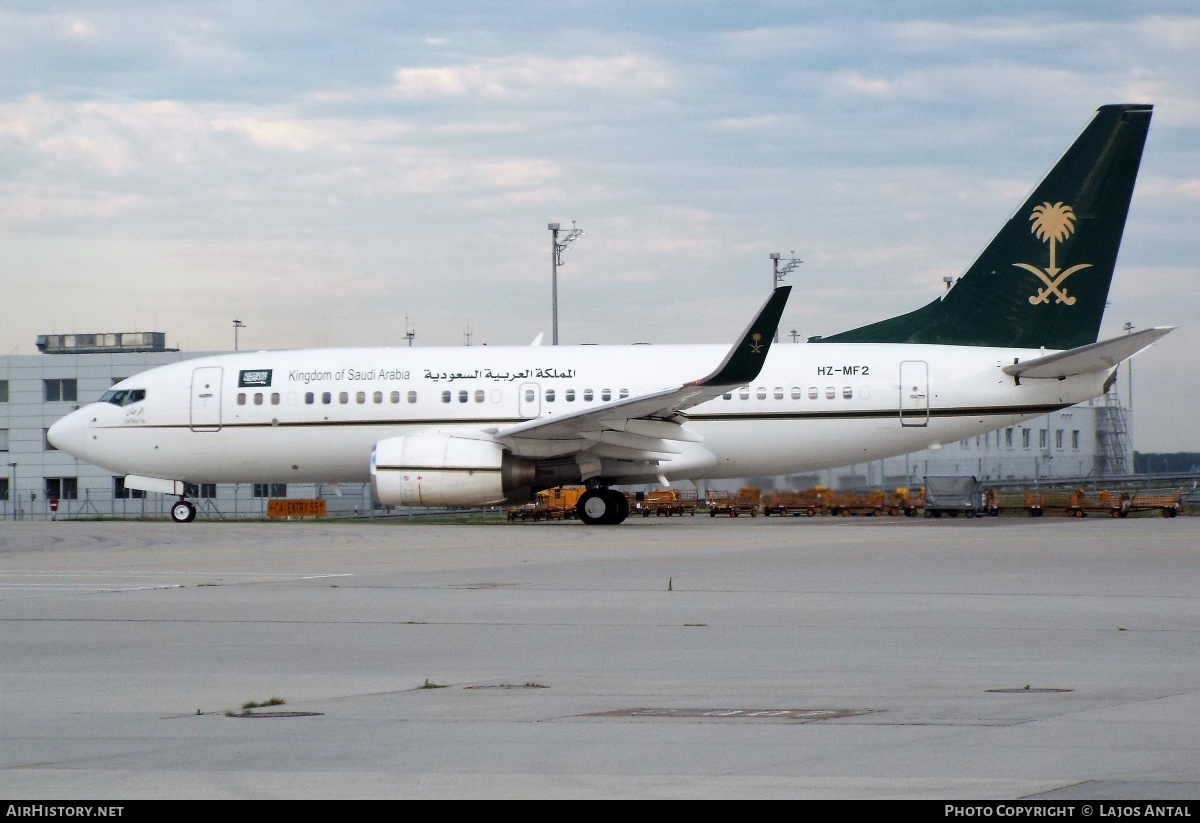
(1015, 338)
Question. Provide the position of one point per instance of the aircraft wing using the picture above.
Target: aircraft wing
(641, 428)
(1091, 358)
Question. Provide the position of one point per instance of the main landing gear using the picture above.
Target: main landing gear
(602, 507)
(183, 512)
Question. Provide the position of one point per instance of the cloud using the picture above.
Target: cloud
(533, 75)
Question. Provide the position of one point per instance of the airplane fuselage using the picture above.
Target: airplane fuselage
(315, 415)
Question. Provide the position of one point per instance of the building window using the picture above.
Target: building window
(3, 391)
(204, 491)
(1025, 438)
(3, 488)
(3, 440)
(270, 489)
(122, 493)
(63, 488)
(1058, 438)
(1008, 441)
(60, 389)
(1043, 438)
(1075, 439)
(46, 444)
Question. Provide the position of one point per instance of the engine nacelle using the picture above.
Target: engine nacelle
(439, 469)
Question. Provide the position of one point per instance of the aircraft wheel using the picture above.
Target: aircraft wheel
(183, 512)
(620, 505)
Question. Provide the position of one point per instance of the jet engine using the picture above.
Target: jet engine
(448, 469)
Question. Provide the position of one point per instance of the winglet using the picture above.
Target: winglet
(745, 360)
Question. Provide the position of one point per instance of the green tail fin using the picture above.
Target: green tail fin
(1043, 280)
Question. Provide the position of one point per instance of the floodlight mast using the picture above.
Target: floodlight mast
(557, 247)
(778, 273)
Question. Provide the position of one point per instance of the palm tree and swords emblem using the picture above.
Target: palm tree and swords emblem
(1052, 223)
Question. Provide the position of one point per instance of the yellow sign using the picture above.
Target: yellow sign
(296, 508)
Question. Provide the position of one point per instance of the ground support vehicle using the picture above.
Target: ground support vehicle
(550, 504)
(953, 495)
(847, 503)
(1169, 503)
(808, 502)
(1114, 504)
(906, 503)
(744, 501)
(664, 503)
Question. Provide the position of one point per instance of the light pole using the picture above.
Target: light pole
(237, 324)
(557, 247)
(777, 275)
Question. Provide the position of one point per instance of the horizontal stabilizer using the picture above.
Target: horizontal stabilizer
(1095, 357)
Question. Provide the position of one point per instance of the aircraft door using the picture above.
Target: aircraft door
(206, 399)
(914, 393)
(529, 403)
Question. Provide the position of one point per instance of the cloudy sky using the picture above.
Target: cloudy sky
(327, 172)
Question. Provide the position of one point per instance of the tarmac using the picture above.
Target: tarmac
(836, 658)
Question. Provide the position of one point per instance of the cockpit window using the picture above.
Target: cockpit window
(123, 397)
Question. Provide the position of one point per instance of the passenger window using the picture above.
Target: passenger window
(445, 397)
(309, 398)
(624, 393)
(795, 392)
(761, 393)
(479, 395)
(549, 395)
(343, 397)
(462, 396)
(326, 398)
(587, 395)
(412, 397)
(241, 398)
(274, 398)
(360, 397)
(744, 392)
(812, 392)
(778, 392)
(606, 395)
(728, 395)
(848, 393)
(529, 395)
(395, 397)
(258, 398)
(830, 392)
(570, 395)
(377, 397)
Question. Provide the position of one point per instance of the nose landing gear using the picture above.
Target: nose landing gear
(183, 512)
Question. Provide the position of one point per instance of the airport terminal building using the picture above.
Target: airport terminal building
(71, 370)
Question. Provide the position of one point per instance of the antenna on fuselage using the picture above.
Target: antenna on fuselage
(409, 334)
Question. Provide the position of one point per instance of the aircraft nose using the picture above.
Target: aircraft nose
(67, 434)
